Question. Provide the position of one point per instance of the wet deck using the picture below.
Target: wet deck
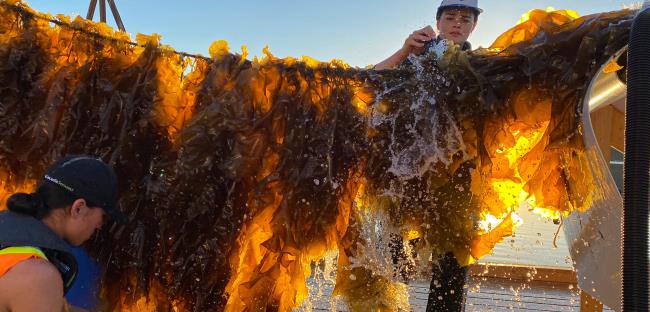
(486, 294)
(521, 281)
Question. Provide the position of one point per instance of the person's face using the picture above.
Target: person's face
(83, 222)
(456, 24)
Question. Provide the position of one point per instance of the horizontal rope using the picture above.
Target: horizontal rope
(61, 23)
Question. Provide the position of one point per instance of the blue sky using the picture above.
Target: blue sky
(360, 32)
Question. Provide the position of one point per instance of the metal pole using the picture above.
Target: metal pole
(116, 15)
(102, 11)
(91, 10)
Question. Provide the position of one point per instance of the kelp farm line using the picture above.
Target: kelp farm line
(238, 174)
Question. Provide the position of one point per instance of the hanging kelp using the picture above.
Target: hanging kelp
(238, 174)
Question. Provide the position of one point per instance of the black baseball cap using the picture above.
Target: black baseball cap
(89, 178)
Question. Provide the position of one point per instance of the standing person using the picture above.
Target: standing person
(72, 201)
(455, 20)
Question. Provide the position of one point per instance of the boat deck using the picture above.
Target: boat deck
(542, 291)
(521, 279)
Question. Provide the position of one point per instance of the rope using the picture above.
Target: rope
(27, 14)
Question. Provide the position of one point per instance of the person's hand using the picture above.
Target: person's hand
(416, 42)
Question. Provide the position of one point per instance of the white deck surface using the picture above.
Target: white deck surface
(531, 246)
(493, 295)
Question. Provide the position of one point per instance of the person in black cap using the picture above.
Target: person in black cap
(455, 20)
(72, 201)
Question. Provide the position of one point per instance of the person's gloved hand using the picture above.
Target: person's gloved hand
(416, 42)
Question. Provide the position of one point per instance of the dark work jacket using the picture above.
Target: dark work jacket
(18, 230)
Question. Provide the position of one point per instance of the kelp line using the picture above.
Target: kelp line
(238, 174)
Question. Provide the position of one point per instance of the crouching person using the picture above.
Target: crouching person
(72, 201)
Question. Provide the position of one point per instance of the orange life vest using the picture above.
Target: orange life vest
(23, 237)
(11, 256)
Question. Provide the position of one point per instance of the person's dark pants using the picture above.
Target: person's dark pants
(404, 267)
(447, 290)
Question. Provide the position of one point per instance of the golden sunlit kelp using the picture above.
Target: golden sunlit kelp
(238, 174)
(537, 142)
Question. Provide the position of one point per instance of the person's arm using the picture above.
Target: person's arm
(36, 287)
(414, 44)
